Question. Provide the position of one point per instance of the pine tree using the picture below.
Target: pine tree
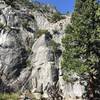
(81, 43)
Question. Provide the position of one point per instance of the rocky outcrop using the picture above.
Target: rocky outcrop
(31, 63)
(15, 40)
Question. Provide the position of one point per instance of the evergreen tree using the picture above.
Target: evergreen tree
(81, 43)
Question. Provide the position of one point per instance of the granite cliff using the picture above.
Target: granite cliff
(30, 52)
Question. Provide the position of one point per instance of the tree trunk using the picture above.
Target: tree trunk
(91, 87)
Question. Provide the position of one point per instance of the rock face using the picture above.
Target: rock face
(30, 63)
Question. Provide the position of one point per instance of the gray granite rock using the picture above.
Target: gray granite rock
(28, 63)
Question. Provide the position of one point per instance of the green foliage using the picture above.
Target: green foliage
(7, 96)
(40, 32)
(54, 45)
(28, 63)
(56, 17)
(98, 18)
(45, 9)
(23, 2)
(25, 24)
(79, 53)
(29, 50)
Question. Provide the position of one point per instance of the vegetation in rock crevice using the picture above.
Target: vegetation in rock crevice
(54, 45)
(55, 48)
(40, 32)
(28, 63)
(56, 17)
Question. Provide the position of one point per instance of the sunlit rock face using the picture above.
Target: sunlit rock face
(14, 39)
(28, 62)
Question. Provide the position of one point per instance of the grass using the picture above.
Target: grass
(7, 96)
(14, 96)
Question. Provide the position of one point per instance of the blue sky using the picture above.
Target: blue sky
(62, 5)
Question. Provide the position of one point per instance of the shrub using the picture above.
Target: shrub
(7, 96)
(56, 17)
(40, 32)
(28, 63)
(54, 45)
(29, 50)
